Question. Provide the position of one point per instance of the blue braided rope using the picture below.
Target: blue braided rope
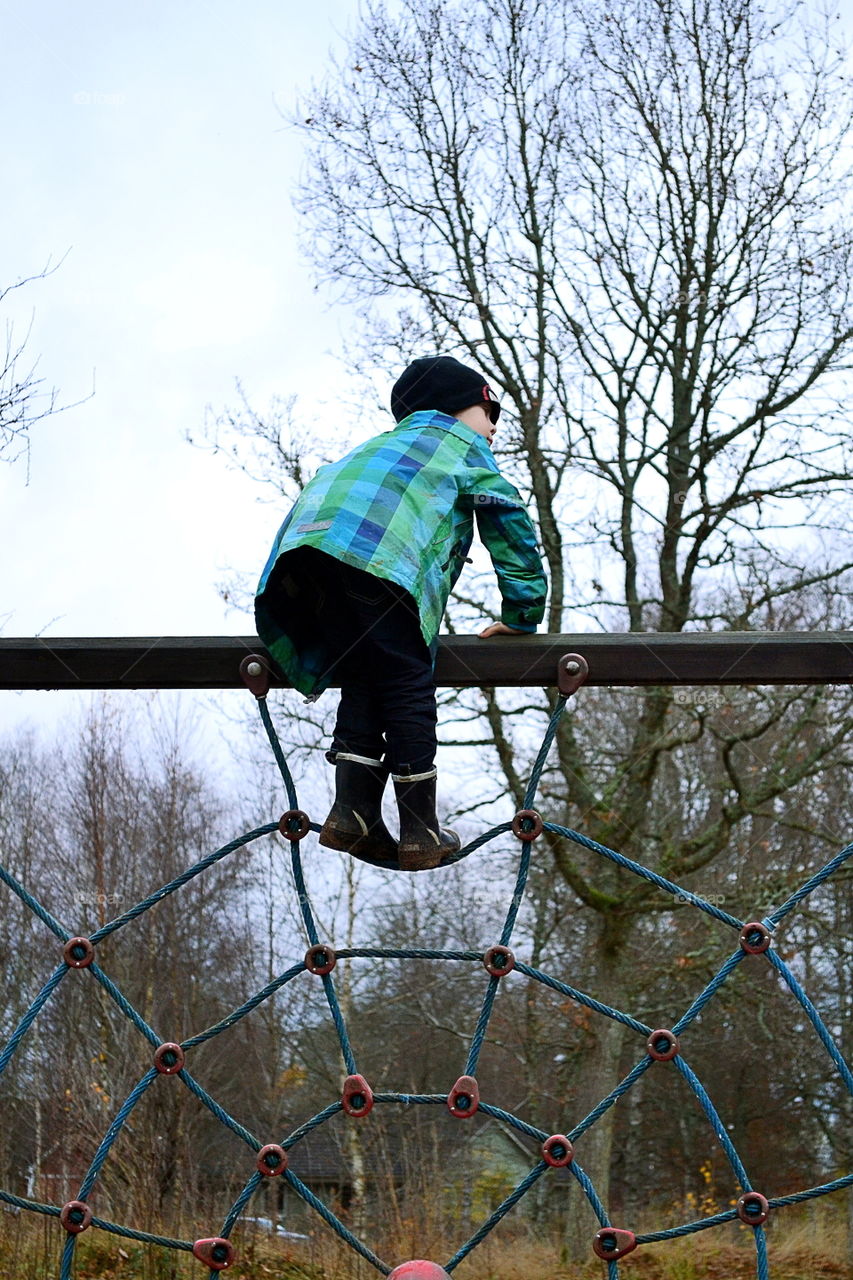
(644, 873)
(598, 1208)
(838, 1184)
(223, 1116)
(717, 1126)
(542, 755)
(113, 1132)
(581, 998)
(278, 753)
(129, 1233)
(502, 1210)
(320, 1118)
(302, 894)
(477, 843)
(31, 1014)
(126, 1233)
(761, 1252)
(123, 1004)
(231, 1019)
(334, 1222)
(813, 1017)
(584, 1181)
(240, 1203)
(518, 894)
(404, 953)
(688, 1228)
(340, 1025)
(181, 880)
(712, 988)
(314, 939)
(33, 904)
(811, 884)
(478, 1038)
(606, 1103)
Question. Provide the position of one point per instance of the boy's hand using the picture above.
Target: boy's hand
(499, 629)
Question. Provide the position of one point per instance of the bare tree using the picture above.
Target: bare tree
(635, 220)
(24, 398)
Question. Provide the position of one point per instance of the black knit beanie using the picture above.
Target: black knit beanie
(442, 383)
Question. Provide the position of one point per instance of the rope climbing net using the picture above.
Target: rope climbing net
(269, 1159)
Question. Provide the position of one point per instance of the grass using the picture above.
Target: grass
(808, 1246)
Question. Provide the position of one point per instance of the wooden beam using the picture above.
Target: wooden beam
(212, 662)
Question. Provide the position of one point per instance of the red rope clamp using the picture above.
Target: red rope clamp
(464, 1098)
(557, 1151)
(753, 1208)
(256, 675)
(662, 1045)
(611, 1243)
(75, 1216)
(294, 825)
(755, 937)
(572, 670)
(527, 824)
(498, 961)
(78, 953)
(169, 1059)
(215, 1252)
(358, 1097)
(320, 959)
(272, 1160)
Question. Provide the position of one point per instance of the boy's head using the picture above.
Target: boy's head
(442, 383)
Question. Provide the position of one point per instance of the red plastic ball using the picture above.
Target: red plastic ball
(419, 1269)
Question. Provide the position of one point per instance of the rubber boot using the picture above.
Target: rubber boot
(423, 842)
(354, 824)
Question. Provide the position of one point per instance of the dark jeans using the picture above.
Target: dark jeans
(381, 660)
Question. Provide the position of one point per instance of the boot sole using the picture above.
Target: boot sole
(356, 843)
(418, 858)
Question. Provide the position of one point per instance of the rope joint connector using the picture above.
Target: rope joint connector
(755, 938)
(215, 1252)
(320, 959)
(499, 961)
(256, 675)
(272, 1160)
(557, 1151)
(572, 671)
(662, 1045)
(527, 824)
(357, 1097)
(753, 1208)
(169, 1059)
(464, 1098)
(78, 953)
(75, 1216)
(611, 1243)
(294, 825)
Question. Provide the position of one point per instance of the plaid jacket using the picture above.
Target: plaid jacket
(402, 506)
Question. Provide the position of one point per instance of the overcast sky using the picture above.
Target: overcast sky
(146, 153)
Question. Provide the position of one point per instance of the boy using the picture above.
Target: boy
(356, 586)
